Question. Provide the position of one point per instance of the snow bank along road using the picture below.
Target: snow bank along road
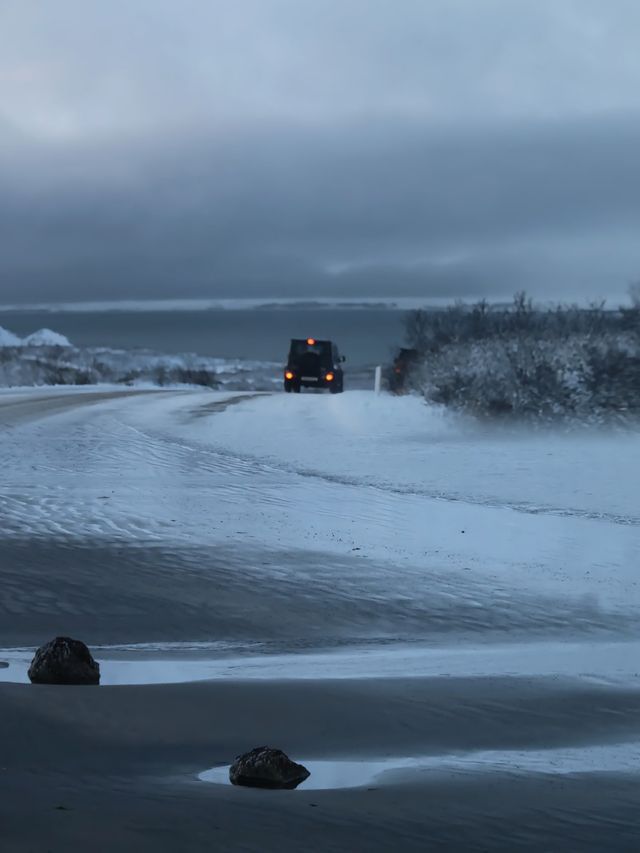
(278, 523)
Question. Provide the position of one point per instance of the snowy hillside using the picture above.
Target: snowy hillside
(48, 358)
(45, 338)
(8, 339)
(41, 338)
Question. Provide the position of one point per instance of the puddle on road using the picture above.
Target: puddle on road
(112, 672)
(333, 775)
(609, 663)
(329, 775)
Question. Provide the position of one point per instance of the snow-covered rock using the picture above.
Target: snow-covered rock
(46, 338)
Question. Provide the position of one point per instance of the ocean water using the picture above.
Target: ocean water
(364, 335)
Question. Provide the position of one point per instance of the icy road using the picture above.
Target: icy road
(312, 522)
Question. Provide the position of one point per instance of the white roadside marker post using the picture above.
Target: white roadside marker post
(378, 380)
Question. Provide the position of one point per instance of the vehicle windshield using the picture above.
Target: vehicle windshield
(303, 348)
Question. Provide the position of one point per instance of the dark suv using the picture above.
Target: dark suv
(313, 364)
(398, 375)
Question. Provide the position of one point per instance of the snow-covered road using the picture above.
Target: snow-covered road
(362, 515)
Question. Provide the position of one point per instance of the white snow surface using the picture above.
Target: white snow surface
(381, 479)
(409, 447)
(8, 339)
(46, 338)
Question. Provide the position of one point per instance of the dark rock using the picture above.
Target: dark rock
(4, 664)
(264, 767)
(64, 661)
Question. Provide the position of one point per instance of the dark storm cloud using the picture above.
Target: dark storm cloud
(301, 149)
(363, 207)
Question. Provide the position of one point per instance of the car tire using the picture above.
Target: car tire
(296, 388)
(287, 387)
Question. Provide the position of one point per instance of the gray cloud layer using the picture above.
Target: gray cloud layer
(303, 148)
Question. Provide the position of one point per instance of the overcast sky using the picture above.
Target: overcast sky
(174, 148)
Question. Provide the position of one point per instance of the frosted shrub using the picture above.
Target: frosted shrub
(527, 376)
(523, 362)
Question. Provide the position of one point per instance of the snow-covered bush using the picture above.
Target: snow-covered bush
(565, 362)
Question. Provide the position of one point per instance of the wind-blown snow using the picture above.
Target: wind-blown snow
(455, 513)
(405, 446)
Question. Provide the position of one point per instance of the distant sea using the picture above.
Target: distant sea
(365, 334)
